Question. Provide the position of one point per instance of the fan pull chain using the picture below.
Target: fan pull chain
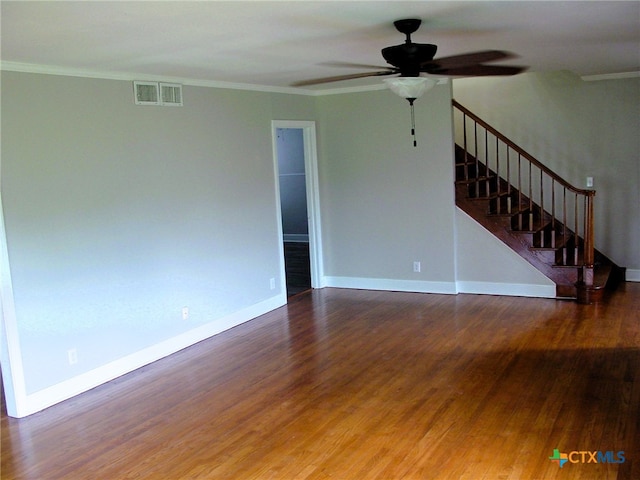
(413, 122)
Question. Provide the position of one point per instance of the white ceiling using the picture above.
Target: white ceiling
(273, 44)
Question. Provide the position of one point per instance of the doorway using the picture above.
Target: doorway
(295, 162)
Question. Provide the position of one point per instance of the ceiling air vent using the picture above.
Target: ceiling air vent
(171, 94)
(154, 93)
(146, 93)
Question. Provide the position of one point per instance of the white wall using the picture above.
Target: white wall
(485, 265)
(578, 129)
(387, 204)
(118, 216)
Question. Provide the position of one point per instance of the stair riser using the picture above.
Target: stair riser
(484, 188)
(559, 258)
(521, 224)
(470, 171)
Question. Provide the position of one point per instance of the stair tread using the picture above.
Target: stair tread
(570, 263)
(513, 213)
(491, 196)
(601, 275)
(501, 221)
(537, 227)
(560, 243)
(482, 178)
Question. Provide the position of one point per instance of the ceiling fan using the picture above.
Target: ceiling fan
(411, 59)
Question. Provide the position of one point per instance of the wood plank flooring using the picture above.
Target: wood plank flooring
(354, 384)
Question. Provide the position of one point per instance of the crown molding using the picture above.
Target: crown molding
(127, 76)
(610, 76)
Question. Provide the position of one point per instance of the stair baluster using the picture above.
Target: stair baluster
(534, 207)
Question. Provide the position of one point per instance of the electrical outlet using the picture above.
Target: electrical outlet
(272, 283)
(185, 313)
(589, 182)
(72, 356)
(416, 267)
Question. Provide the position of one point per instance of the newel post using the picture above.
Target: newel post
(584, 286)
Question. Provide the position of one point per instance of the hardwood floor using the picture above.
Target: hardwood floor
(354, 384)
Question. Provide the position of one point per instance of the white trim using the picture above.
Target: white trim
(484, 288)
(69, 388)
(632, 275)
(313, 204)
(313, 196)
(610, 76)
(127, 76)
(343, 90)
(507, 289)
(278, 211)
(75, 72)
(10, 354)
(393, 285)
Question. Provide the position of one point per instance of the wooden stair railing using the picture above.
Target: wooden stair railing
(555, 216)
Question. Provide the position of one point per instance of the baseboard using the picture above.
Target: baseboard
(507, 289)
(390, 285)
(632, 275)
(483, 288)
(69, 388)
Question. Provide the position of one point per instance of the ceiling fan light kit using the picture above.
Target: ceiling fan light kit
(410, 88)
(410, 60)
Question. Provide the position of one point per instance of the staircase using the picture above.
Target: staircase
(542, 217)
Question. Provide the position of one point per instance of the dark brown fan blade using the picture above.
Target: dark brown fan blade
(473, 58)
(353, 65)
(479, 70)
(342, 77)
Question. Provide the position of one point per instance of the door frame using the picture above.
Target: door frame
(313, 197)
